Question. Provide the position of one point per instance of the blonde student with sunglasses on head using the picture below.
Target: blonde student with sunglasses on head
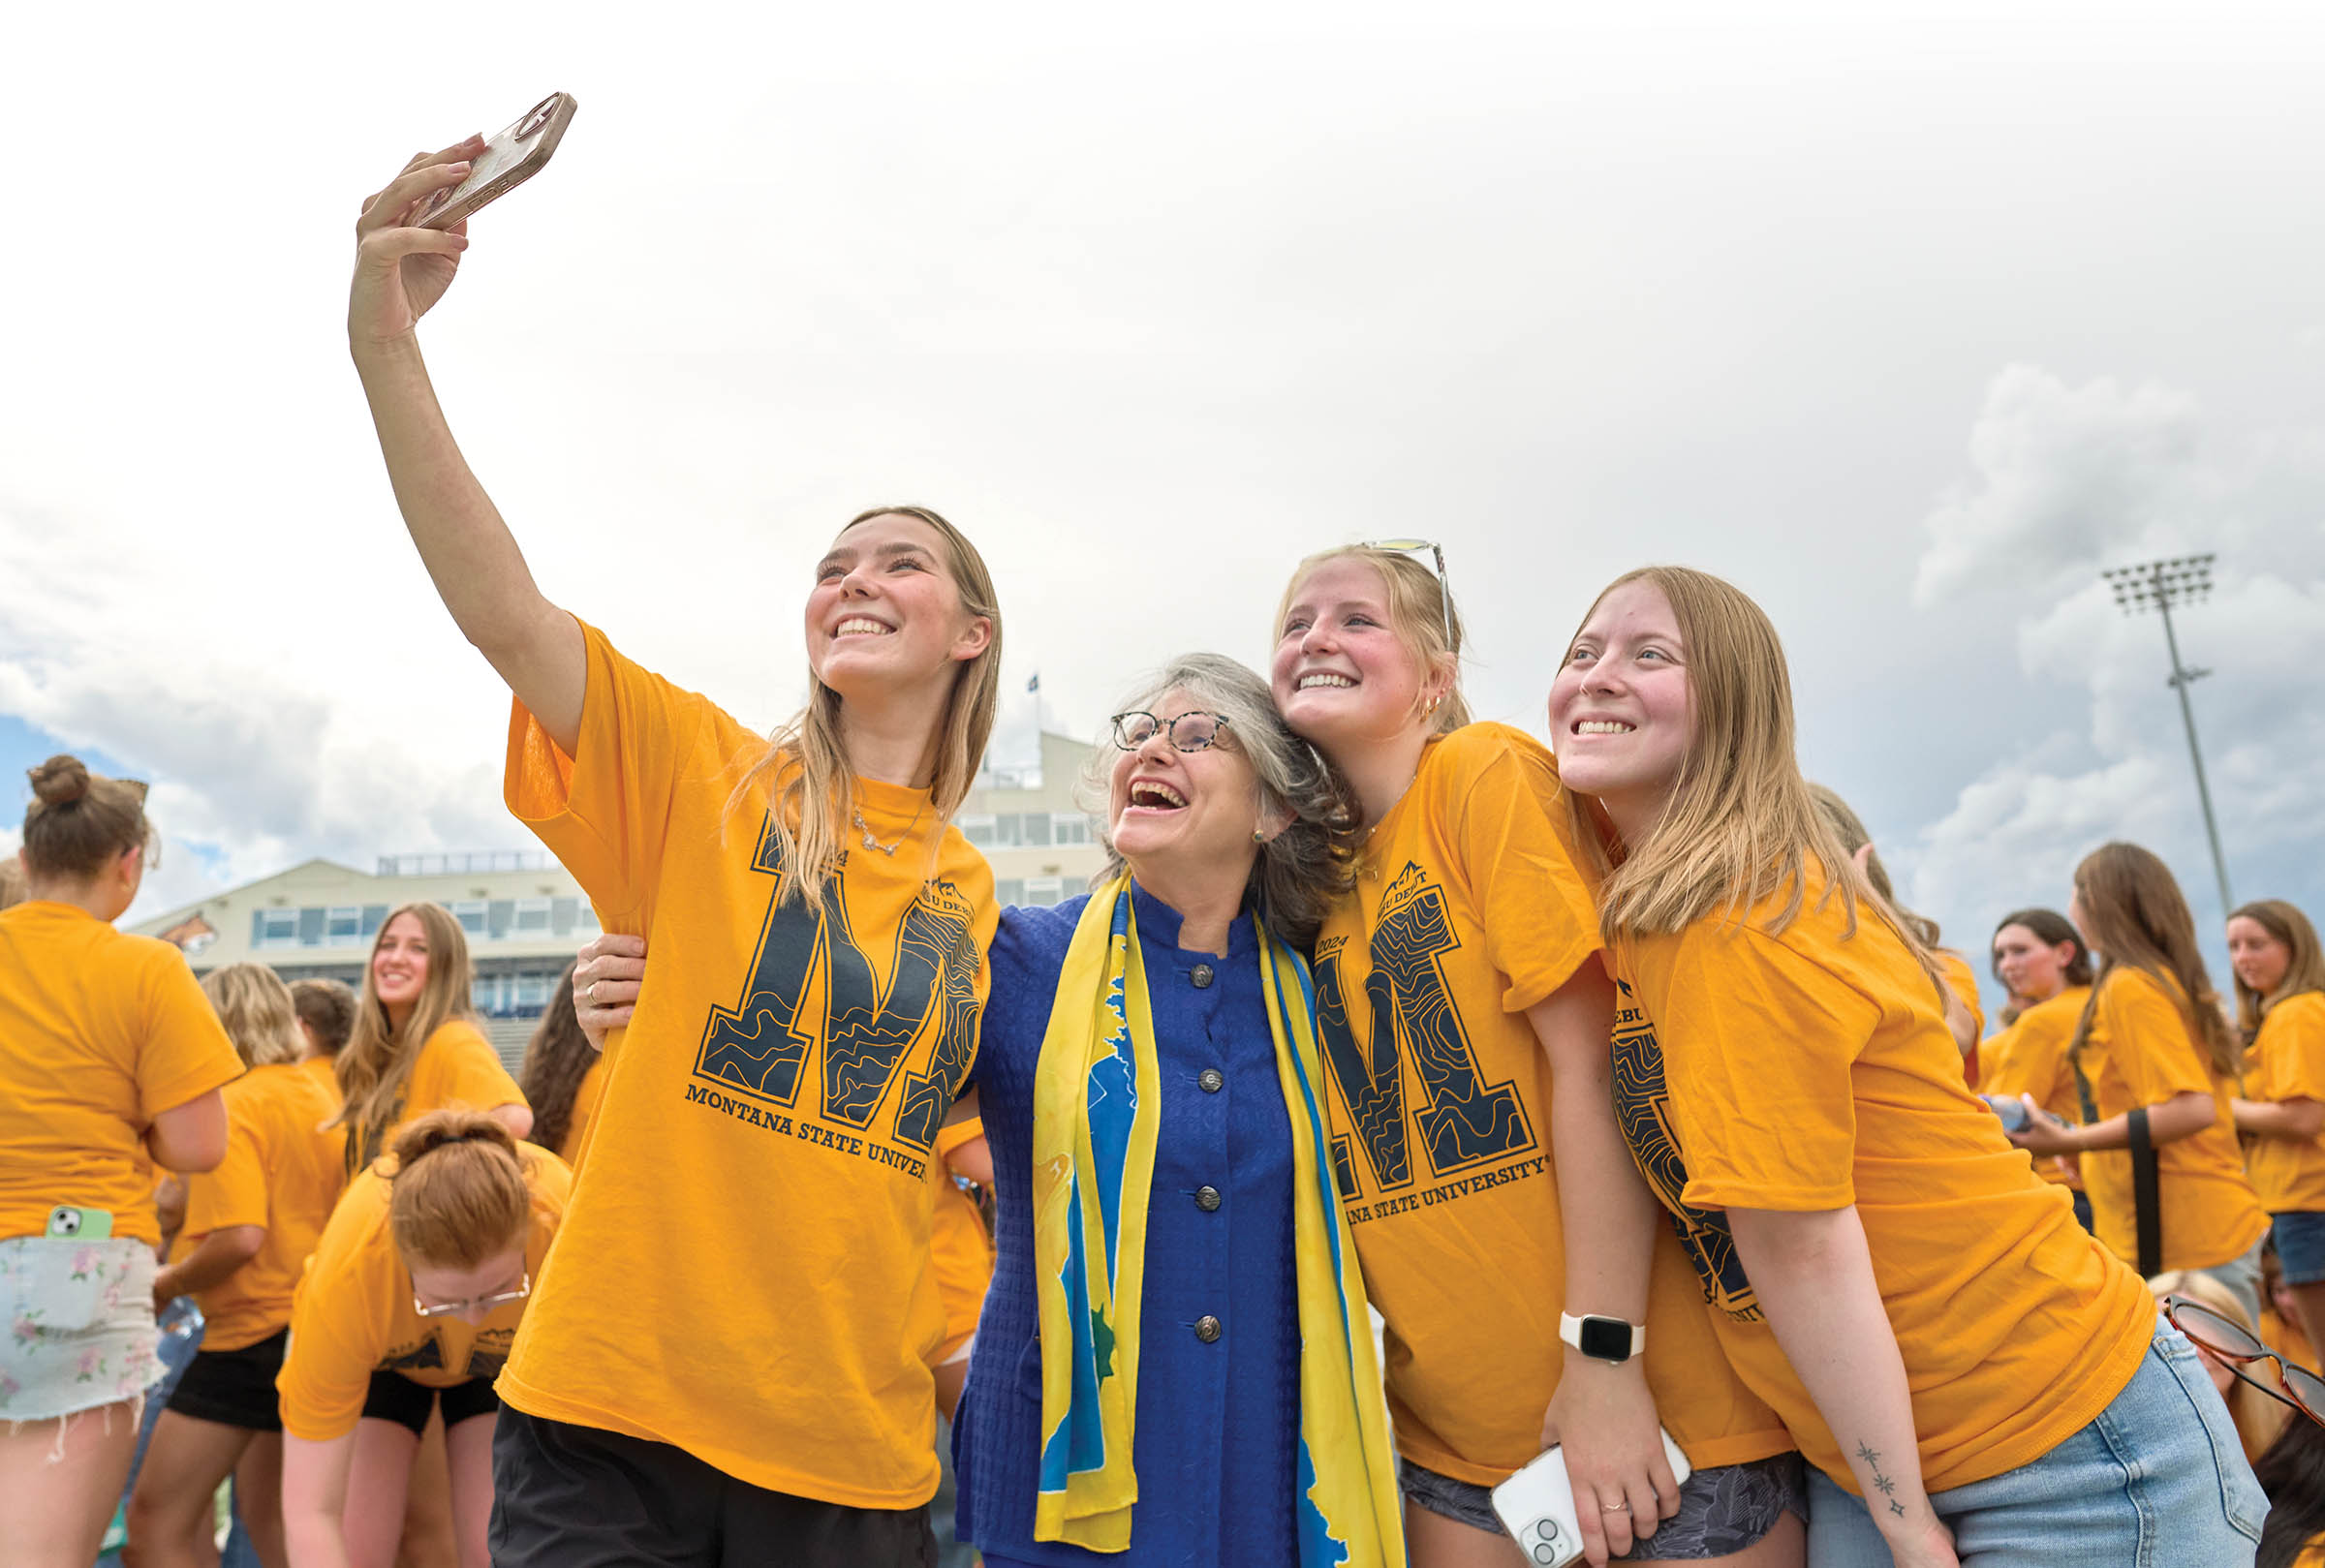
(1506, 1239)
(1976, 1379)
(736, 1338)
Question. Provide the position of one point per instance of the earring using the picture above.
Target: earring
(1258, 837)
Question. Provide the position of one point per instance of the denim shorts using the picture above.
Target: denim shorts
(2158, 1480)
(1722, 1510)
(2300, 1236)
(79, 1325)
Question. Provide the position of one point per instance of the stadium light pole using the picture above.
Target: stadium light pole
(2158, 585)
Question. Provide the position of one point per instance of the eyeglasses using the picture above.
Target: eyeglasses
(1189, 732)
(2237, 1346)
(481, 1304)
(1445, 584)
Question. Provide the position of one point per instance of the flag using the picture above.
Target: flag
(1034, 685)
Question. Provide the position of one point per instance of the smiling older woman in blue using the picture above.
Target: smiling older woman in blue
(1175, 1346)
(1175, 1363)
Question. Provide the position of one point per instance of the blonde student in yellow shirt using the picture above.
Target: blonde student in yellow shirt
(2155, 1063)
(110, 1063)
(1463, 1005)
(1960, 1363)
(250, 1225)
(408, 1308)
(735, 1336)
(2280, 1003)
(415, 1045)
(563, 1075)
(2040, 955)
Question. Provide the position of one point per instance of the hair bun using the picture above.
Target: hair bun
(60, 780)
(452, 1124)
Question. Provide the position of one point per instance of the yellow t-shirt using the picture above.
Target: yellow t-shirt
(354, 1317)
(2313, 1555)
(1469, 911)
(745, 1274)
(282, 1171)
(2030, 1058)
(1807, 1072)
(586, 1094)
(320, 1069)
(99, 1031)
(456, 1067)
(2140, 1052)
(2288, 1062)
(1963, 981)
(960, 1251)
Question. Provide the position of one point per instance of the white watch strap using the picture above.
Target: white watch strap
(1569, 1329)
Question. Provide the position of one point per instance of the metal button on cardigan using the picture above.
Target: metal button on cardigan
(1206, 1198)
(1206, 1328)
(1211, 1080)
(1202, 974)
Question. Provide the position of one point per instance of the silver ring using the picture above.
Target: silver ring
(592, 992)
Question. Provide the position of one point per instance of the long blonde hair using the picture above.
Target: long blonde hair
(2135, 915)
(807, 757)
(254, 1006)
(1420, 607)
(1741, 824)
(2304, 971)
(376, 1063)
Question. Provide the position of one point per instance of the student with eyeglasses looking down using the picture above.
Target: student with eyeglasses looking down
(411, 1302)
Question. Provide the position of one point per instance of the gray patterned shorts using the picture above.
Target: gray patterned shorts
(1722, 1510)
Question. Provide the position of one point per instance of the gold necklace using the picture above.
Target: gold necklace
(888, 849)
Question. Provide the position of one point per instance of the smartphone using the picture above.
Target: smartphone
(511, 156)
(1537, 1506)
(2012, 1112)
(67, 1223)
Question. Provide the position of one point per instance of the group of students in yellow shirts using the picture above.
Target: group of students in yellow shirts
(1643, 1107)
(344, 1302)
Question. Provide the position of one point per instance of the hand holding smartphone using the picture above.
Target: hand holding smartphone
(1537, 1506)
(511, 156)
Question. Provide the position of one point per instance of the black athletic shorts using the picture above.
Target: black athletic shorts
(234, 1388)
(396, 1398)
(568, 1496)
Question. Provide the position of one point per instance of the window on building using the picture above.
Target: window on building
(977, 829)
(470, 912)
(532, 993)
(1009, 833)
(533, 917)
(1009, 890)
(1070, 827)
(585, 920)
(491, 993)
(310, 925)
(274, 928)
(343, 926)
(1035, 826)
(1042, 892)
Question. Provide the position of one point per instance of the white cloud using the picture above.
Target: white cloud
(2069, 478)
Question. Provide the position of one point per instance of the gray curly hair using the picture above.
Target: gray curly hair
(1299, 872)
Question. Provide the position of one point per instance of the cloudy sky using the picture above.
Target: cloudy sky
(1909, 322)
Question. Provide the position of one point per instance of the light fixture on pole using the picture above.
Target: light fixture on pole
(2158, 585)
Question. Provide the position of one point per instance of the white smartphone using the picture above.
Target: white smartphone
(511, 156)
(1537, 1506)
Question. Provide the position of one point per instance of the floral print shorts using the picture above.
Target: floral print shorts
(76, 1325)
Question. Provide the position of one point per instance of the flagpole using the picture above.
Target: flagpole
(1034, 687)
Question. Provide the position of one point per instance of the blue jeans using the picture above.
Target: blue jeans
(2157, 1481)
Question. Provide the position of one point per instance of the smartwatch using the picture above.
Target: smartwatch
(1602, 1339)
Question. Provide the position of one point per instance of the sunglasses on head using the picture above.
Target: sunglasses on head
(2238, 1346)
(1444, 586)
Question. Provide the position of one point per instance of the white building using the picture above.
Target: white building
(524, 914)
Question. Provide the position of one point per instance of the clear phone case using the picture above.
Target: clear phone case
(511, 156)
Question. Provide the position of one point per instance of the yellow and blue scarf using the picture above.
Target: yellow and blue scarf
(1096, 1114)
